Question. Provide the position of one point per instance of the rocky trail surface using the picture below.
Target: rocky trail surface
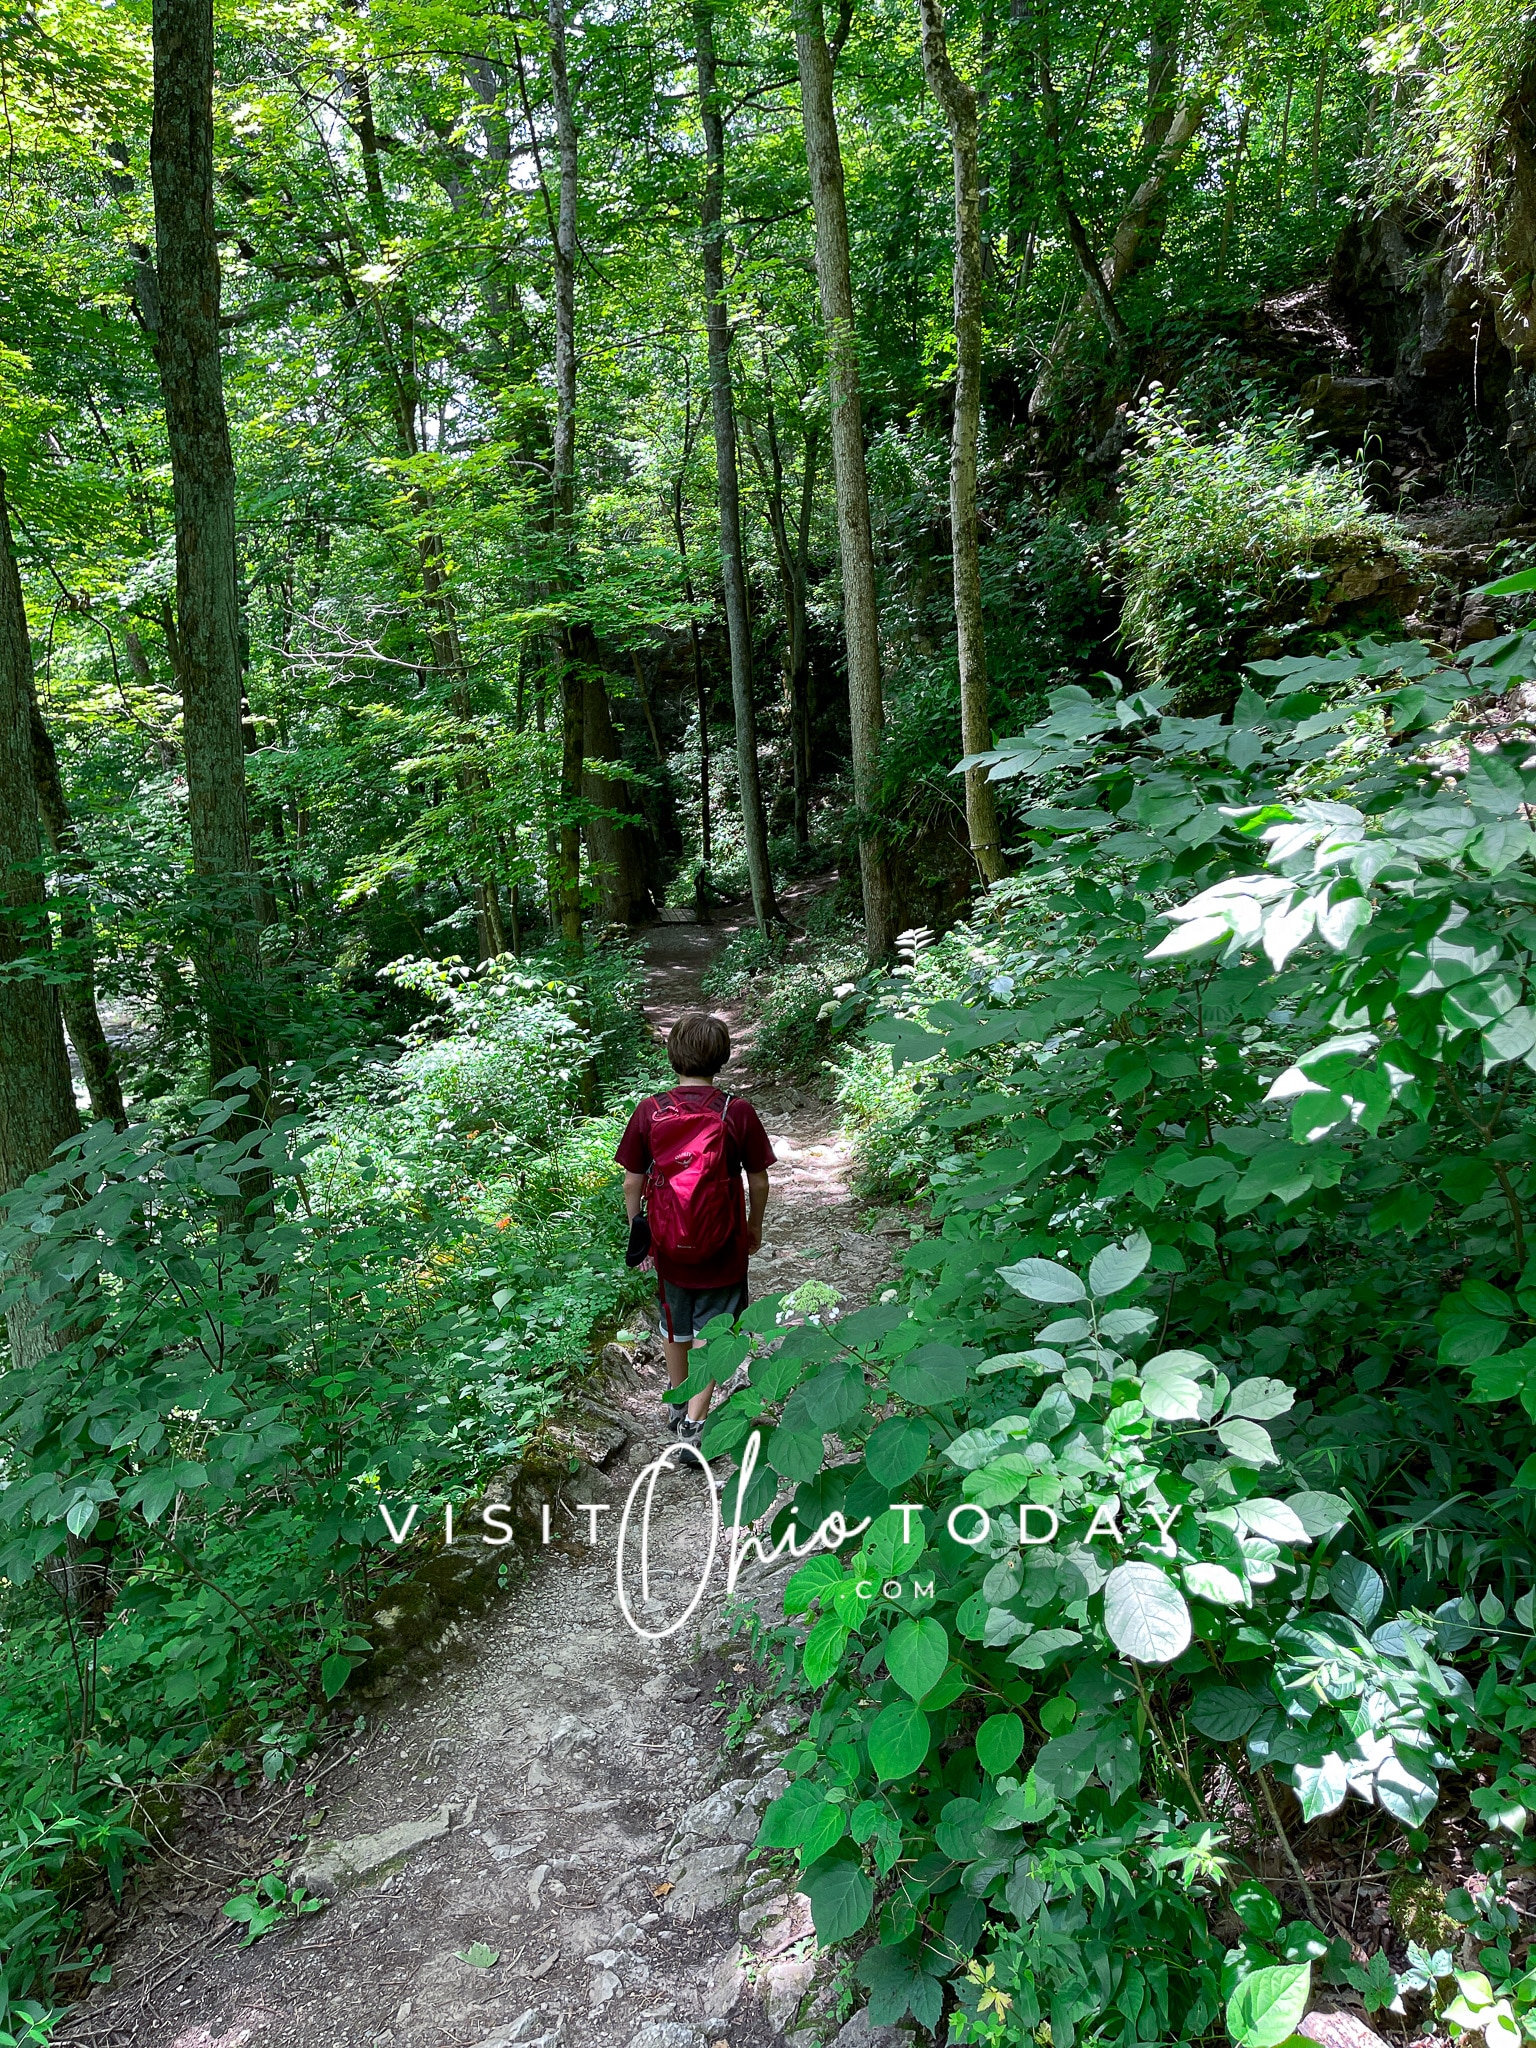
(538, 1833)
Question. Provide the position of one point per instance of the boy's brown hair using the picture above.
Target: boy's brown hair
(698, 1045)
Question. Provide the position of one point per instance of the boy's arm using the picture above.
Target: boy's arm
(634, 1194)
(757, 1202)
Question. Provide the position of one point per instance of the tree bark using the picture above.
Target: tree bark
(37, 1098)
(77, 995)
(563, 474)
(675, 506)
(959, 104)
(1138, 231)
(207, 585)
(732, 571)
(861, 625)
(613, 844)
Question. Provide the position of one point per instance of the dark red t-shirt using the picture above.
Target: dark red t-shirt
(747, 1150)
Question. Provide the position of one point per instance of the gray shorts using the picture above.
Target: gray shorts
(685, 1311)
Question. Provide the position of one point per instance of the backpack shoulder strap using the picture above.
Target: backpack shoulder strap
(725, 1107)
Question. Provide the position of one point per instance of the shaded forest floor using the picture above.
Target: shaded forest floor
(543, 1835)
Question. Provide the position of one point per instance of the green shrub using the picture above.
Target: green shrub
(1230, 536)
(1227, 1111)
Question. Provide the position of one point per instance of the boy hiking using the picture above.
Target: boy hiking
(684, 1153)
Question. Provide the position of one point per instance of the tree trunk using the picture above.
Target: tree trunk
(78, 994)
(207, 586)
(700, 692)
(613, 845)
(732, 571)
(37, 1098)
(563, 474)
(861, 626)
(959, 104)
(1136, 224)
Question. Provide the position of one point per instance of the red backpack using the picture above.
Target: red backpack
(693, 1200)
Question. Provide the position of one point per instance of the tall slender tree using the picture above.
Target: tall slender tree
(861, 625)
(203, 490)
(563, 475)
(37, 1100)
(959, 103)
(77, 992)
(732, 568)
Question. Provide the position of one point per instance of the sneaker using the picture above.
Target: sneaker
(688, 1431)
(672, 1414)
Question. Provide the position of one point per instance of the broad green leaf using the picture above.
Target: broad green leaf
(898, 1740)
(1357, 1589)
(916, 1652)
(810, 1581)
(1275, 1520)
(1267, 2007)
(1216, 1583)
(1248, 1442)
(1223, 1713)
(1260, 1399)
(334, 1673)
(1044, 1280)
(824, 1648)
(897, 1449)
(1113, 1269)
(1169, 1394)
(841, 1897)
(796, 1816)
(999, 1743)
(1319, 1513)
(933, 1376)
(1145, 1614)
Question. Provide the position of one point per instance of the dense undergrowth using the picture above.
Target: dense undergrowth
(190, 1554)
(1207, 1620)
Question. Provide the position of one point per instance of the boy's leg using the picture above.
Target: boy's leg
(677, 1338)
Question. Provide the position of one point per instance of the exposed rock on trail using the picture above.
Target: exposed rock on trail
(542, 1839)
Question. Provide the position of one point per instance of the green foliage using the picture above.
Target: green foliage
(1226, 1116)
(270, 1902)
(1230, 536)
(190, 1533)
(793, 988)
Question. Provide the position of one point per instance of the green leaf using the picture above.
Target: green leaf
(841, 1896)
(1267, 2007)
(1224, 1713)
(1320, 1513)
(916, 1653)
(898, 1740)
(1257, 1907)
(793, 1455)
(1114, 1268)
(933, 1376)
(1356, 1589)
(1145, 1614)
(797, 1816)
(1044, 1280)
(824, 1648)
(1216, 1583)
(479, 1957)
(1248, 1442)
(1275, 1520)
(1260, 1399)
(999, 1743)
(334, 1673)
(897, 1449)
(809, 1582)
(1509, 586)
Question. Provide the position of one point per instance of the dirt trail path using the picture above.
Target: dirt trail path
(542, 1842)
